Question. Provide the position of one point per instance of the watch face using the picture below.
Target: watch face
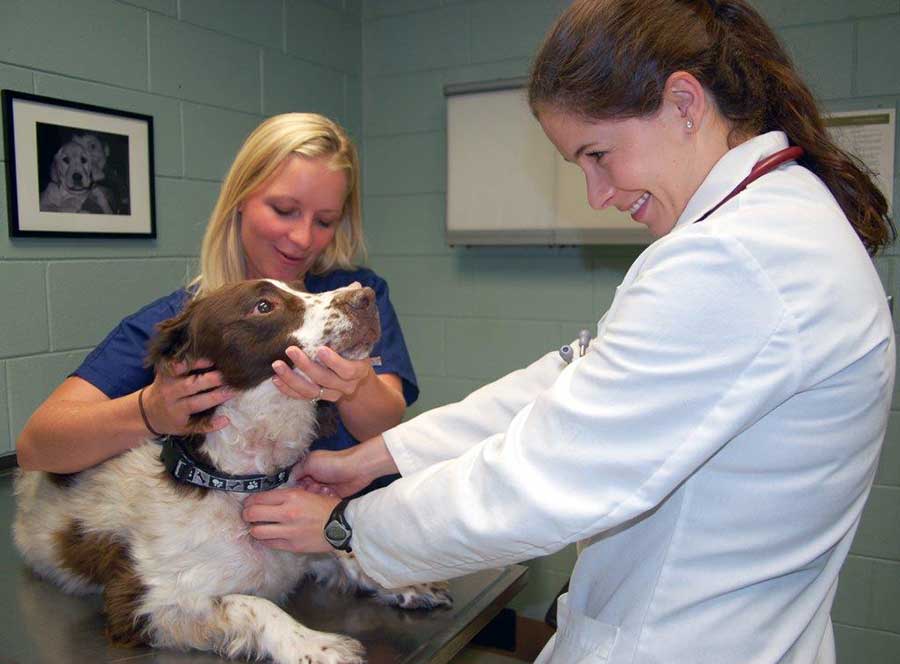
(336, 533)
(337, 530)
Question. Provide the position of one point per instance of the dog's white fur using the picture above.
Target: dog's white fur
(200, 580)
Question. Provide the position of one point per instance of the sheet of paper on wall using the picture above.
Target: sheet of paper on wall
(506, 184)
(870, 136)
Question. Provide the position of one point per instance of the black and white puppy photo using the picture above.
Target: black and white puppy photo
(173, 559)
(71, 186)
(82, 171)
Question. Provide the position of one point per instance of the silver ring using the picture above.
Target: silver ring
(318, 397)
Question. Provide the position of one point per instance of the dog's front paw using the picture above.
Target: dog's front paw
(324, 648)
(419, 596)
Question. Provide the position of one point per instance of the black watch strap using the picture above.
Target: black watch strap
(337, 531)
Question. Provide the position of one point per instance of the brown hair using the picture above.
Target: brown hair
(607, 59)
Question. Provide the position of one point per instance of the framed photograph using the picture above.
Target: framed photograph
(77, 170)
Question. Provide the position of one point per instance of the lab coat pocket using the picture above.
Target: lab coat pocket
(578, 639)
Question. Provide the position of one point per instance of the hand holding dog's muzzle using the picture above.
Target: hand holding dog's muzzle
(329, 377)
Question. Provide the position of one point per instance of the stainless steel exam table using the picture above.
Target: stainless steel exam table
(39, 624)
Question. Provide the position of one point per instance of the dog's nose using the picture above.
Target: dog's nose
(362, 299)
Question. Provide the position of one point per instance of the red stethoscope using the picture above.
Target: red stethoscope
(762, 167)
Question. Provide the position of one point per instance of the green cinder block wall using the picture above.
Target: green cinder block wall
(209, 70)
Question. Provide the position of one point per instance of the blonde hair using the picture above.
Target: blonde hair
(222, 259)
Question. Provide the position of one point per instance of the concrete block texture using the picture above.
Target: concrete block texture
(261, 21)
(212, 137)
(877, 56)
(291, 85)
(24, 329)
(51, 36)
(32, 379)
(322, 34)
(417, 41)
(405, 224)
(86, 299)
(6, 442)
(201, 65)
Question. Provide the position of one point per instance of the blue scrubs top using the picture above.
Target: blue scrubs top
(116, 366)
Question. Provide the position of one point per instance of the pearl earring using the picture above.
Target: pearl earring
(690, 124)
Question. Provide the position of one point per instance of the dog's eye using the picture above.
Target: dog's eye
(263, 307)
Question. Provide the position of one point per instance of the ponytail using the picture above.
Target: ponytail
(611, 58)
(780, 100)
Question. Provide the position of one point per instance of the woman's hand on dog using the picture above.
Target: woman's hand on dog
(290, 519)
(337, 376)
(331, 473)
(293, 519)
(179, 392)
(346, 472)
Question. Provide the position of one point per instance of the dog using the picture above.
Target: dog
(72, 183)
(174, 560)
(98, 154)
(105, 195)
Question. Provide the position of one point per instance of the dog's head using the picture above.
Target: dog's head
(98, 153)
(71, 168)
(243, 327)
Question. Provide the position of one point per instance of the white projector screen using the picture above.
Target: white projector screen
(506, 184)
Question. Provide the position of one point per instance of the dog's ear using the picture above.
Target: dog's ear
(173, 341)
(56, 167)
(93, 169)
(326, 419)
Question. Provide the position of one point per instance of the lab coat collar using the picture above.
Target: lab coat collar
(728, 172)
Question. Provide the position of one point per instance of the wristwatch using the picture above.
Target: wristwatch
(337, 531)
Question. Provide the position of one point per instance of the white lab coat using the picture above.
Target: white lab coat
(712, 452)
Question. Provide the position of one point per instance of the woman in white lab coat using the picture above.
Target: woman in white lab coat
(714, 448)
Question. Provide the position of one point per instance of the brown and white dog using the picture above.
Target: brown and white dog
(175, 562)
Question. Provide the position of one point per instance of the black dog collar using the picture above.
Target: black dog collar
(185, 468)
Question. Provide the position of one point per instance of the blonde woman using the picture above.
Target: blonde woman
(288, 209)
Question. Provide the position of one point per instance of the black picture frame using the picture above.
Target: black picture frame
(77, 170)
